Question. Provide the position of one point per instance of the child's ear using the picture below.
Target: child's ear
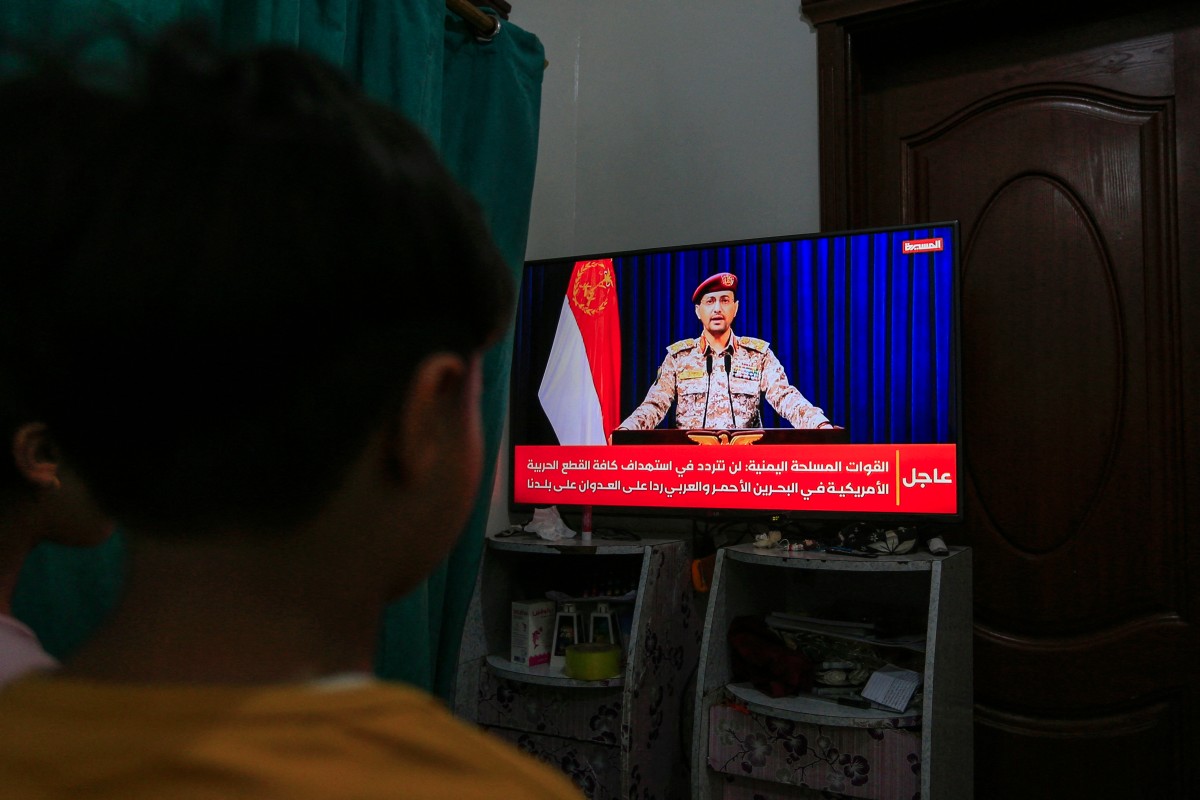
(36, 456)
(433, 419)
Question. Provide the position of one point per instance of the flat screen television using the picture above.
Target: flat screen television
(814, 375)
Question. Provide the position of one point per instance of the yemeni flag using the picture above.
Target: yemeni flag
(580, 391)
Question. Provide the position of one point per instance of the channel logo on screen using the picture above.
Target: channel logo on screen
(911, 246)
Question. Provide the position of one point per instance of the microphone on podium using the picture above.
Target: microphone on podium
(707, 387)
(728, 386)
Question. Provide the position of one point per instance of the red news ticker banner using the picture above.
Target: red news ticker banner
(896, 478)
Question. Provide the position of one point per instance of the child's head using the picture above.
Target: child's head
(233, 271)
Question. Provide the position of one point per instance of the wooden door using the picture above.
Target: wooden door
(1066, 145)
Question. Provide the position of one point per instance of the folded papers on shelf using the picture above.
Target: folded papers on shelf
(863, 631)
(892, 686)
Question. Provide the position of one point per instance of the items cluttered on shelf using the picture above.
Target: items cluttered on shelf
(828, 656)
(856, 539)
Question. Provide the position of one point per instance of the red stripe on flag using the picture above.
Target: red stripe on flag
(592, 295)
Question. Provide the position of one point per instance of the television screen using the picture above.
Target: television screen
(814, 374)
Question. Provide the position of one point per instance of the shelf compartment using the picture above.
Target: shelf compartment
(545, 674)
(779, 757)
(820, 711)
(595, 768)
(556, 710)
(811, 559)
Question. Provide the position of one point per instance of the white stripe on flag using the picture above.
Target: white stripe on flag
(568, 393)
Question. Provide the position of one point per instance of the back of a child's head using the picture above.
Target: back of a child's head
(220, 273)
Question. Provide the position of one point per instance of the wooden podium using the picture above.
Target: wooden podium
(734, 436)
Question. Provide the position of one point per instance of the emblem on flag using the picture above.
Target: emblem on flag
(591, 285)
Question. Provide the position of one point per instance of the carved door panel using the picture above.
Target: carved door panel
(1067, 156)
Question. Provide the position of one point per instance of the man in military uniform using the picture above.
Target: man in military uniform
(718, 379)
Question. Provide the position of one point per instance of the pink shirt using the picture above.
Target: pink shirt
(20, 650)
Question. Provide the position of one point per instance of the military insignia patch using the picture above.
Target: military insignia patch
(750, 343)
(682, 344)
(688, 374)
(745, 373)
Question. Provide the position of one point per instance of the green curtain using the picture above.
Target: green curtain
(479, 102)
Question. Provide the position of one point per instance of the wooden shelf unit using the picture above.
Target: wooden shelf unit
(615, 738)
(931, 590)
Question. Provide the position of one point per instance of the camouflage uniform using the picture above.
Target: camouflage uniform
(754, 371)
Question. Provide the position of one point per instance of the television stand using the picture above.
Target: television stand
(618, 738)
(914, 610)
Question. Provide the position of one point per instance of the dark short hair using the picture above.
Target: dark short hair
(220, 276)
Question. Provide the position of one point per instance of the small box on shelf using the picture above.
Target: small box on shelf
(531, 631)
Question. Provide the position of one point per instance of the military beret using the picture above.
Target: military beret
(721, 282)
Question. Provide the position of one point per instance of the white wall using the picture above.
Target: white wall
(669, 123)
